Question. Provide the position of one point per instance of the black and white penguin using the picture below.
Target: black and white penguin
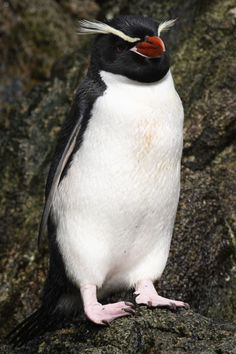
(113, 187)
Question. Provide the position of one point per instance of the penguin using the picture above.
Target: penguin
(113, 187)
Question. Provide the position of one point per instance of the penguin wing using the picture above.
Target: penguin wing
(64, 149)
(69, 140)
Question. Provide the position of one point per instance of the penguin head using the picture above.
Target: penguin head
(130, 46)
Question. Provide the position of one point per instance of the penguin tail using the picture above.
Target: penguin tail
(33, 326)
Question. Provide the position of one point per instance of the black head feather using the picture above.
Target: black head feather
(111, 53)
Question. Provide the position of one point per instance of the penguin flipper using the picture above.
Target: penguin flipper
(69, 140)
(57, 176)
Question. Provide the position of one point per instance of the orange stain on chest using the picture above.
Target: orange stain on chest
(148, 139)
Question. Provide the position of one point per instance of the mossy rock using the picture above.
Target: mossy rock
(149, 331)
(201, 266)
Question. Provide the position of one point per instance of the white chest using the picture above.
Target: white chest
(121, 190)
(134, 126)
(147, 118)
(130, 157)
(134, 134)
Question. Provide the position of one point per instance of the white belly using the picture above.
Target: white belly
(118, 200)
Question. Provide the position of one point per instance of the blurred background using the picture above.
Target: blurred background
(42, 60)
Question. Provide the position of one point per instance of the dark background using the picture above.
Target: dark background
(42, 62)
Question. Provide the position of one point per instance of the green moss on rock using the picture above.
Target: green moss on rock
(201, 267)
(149, 331)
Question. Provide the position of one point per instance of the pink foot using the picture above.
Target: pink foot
(103, 314)
(146, 294)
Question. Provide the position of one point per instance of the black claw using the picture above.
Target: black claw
(135, 295)
(131, 311)
(186, 306)
(173, 306)
(106, 323)
(149, 304)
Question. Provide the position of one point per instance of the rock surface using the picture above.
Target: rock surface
(201, 267)
(149, 331)
(33, 35)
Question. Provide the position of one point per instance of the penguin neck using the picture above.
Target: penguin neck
(111, 79)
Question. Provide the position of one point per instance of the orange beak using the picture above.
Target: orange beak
(152, 47)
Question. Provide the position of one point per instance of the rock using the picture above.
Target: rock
(149, 331)
(201, 267)
(33, 36)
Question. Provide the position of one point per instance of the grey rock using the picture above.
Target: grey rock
(201, 267)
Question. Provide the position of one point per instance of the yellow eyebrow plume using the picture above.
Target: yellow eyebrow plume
(165, 26)
(96, 27)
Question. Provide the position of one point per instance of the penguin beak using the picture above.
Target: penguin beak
(152, 47)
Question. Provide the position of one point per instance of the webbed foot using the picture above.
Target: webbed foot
(104, 314)
(146, 294)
